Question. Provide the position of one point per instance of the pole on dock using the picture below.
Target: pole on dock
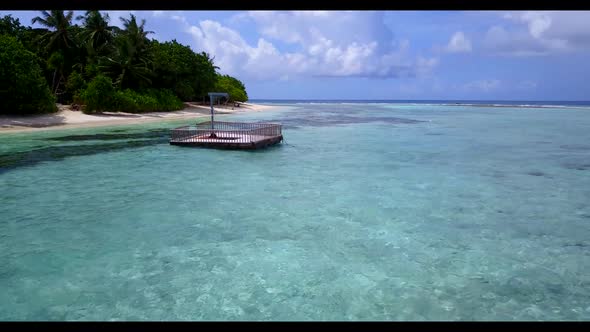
(211, 99)
(212, 96)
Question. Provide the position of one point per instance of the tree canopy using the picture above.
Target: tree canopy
(233, 86)
(23, 89)
(70, 55)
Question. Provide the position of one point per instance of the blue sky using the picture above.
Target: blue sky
(485, 55)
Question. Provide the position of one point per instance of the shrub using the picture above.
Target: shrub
(75, 83)
(124, 102)
(23, 89)
(98, 95)
(167, 100)
(143, 102)
(146, 101)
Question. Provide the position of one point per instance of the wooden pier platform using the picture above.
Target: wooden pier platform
(228, 135)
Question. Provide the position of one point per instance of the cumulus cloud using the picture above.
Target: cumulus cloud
(517, 43)
(458, 43)
(325, 44)
(341, 27)
(540, 33)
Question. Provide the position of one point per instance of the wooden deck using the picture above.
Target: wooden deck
(228, 135)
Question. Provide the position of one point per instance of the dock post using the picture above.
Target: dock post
(212, 123)
(211, 100)
(212, 96)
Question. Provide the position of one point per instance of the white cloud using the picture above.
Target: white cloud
(482, 85)
(327, 44)
(540, 33)
(458, 43)
(500, 41)
(340, 27)
(179, 18)
(527, 85)
(537, 22)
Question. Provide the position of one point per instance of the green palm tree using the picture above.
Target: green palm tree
(130, 63)
(59, 37)
(58, 40)
(97, 34)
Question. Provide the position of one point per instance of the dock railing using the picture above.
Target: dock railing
(235, 132)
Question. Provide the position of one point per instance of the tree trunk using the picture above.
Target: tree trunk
(122, 77)
(53, 81)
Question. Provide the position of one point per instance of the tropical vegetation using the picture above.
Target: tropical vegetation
(86, 61)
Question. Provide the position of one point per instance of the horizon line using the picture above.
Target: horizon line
(533, 100)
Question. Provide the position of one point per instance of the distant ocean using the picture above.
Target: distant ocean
(496, 103)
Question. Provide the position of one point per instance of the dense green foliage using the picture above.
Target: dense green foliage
(101, 96)
(233, 86)
(103, 67)
(183, 71)
(23, 89)
(11, 26)
(150, 100)
(75, 84)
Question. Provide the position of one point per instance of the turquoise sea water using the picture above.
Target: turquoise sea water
(365, 212)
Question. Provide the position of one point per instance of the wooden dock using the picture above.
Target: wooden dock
(228, 135)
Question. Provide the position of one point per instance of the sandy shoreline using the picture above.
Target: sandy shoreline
(66, 118)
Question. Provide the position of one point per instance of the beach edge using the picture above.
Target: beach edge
(65, 118)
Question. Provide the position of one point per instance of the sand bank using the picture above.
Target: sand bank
(67, 118)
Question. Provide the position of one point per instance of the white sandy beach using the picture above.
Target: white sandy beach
(66, 118)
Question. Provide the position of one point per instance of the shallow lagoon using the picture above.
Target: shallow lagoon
(365, 212)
